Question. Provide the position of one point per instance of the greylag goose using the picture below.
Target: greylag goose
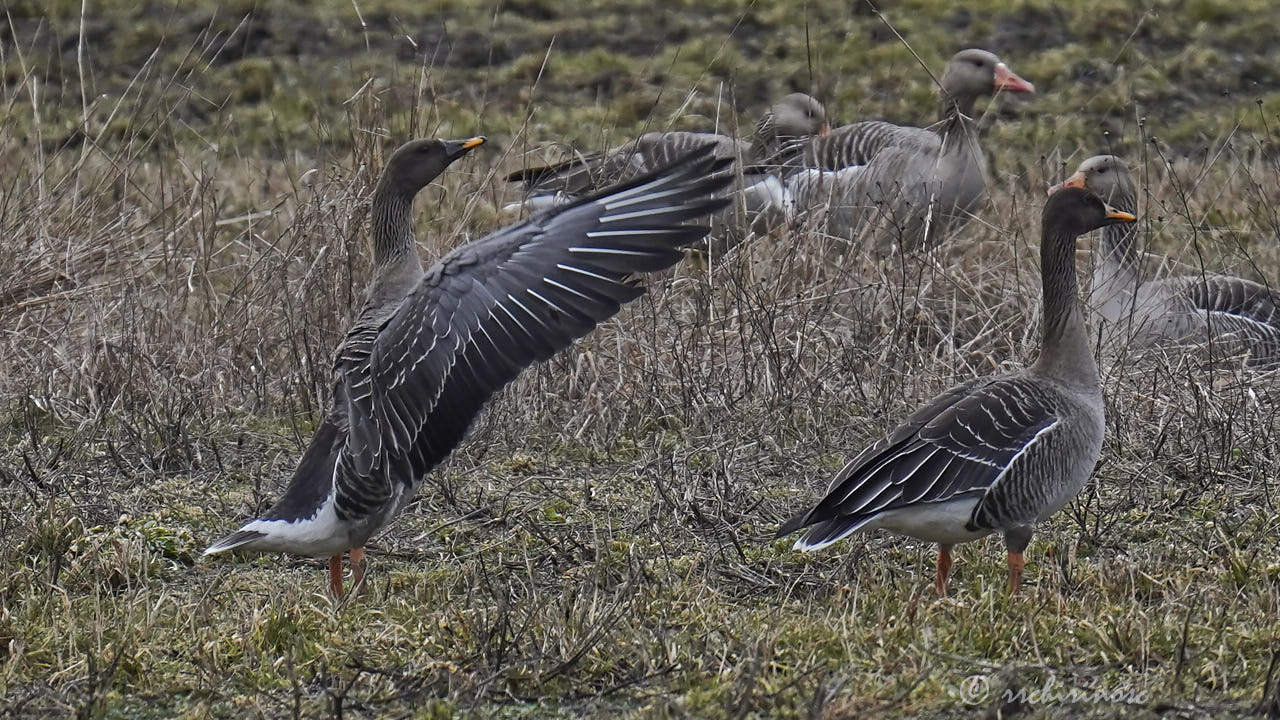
(793, 117)
(913, 185)
(1237, 314)
(430, 347)
(995, 453)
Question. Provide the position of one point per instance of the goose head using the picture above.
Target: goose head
(972, 73)
(1105, 176)
(1074, 211)
(416, 163)
(794, 116)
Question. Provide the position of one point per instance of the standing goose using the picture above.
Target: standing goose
(913, 184)
(1236, 314)
(793, 117)
(430, 347)
(994, 453)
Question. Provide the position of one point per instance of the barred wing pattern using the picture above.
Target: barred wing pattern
(854, 144)
(1240, 306)
(585, 173)
(960, 444)
(493, 307)
(910, 186)
(1236, 296)
(1239, 309)
(1237, 315)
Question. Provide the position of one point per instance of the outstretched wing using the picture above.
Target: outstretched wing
(577, 174)
(959, 444)
(585, 173)
(493, 307)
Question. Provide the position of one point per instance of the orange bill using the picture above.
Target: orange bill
(1119, 216)
(1006, 79)
(457, 148)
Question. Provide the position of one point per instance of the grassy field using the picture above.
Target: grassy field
(175, 278)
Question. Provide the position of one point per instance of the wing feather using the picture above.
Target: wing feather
(961, 443)
(419, 376)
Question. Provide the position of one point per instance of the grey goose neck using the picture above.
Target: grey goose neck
(391, 224)
(397, 266)
(1118, 277)
(1065, 352)
(956, 103)
(1120, 242)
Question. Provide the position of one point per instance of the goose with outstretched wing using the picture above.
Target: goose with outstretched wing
(430, 347)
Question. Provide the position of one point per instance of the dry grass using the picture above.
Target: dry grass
(601, 544)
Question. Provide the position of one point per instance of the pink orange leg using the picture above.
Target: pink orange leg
(357, 570)
(1016, 562)
(944, 570)
(335, 575)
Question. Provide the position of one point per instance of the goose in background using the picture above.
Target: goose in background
(996, 453)
(1237, 315)
(793, 117)
(430, 347)
(910, 187)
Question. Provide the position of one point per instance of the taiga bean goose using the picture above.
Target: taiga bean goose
(430, 347)
(915, 184)
(794, 116)
(994, 453)
(1236, 314)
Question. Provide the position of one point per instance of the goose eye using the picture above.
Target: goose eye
(1102, 171)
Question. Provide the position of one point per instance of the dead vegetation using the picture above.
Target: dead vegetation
(600, 546)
